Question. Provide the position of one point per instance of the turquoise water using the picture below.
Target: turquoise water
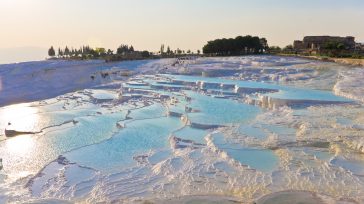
(153, 111)
(194, 134)
(172, 137)
(285, 92)
(139, 137)
(219, 111)
(28, 153)
(260, 159)
(86, 128)
(253, 132)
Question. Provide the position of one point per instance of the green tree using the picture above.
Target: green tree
(145, 54)
(109, 52)
(131, 48)
(236, 46)
(66, 51)
(51, 52)
(264, 44)
(162, 49)
(179, 51)
(100, 51)
(274, 49)
(340, 46)
(60, 52)
(288, 47)
(123, 49)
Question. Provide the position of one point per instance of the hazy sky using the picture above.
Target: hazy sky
(186, 24)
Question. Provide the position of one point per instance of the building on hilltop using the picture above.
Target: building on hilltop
(315, 43)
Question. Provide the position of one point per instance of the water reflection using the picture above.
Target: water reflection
(23, 118)
(20, 117)
(20, 145)
(16, 151)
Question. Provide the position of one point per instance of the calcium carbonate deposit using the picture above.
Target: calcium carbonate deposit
(235, 127)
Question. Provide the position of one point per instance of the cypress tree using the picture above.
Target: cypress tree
(51, 52)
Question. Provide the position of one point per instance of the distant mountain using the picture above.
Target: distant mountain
(22, 54)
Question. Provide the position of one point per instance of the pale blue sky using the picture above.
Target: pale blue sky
(186, 24)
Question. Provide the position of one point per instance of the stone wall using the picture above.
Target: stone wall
(317, 42)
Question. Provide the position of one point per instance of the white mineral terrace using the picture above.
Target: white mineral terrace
(234, 129)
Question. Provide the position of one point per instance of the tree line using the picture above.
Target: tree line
(123, 52)
(170, 52)
(84, 51)
(240, 45)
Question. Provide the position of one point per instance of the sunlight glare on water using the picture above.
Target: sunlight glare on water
(20, 145)
(20, 117)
